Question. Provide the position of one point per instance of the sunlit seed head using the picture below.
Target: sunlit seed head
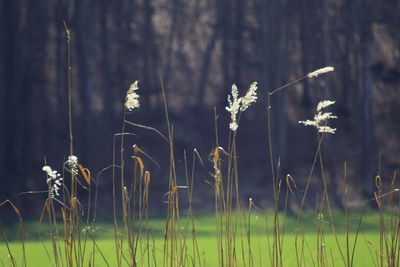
(73, 159)
(53, 179)
(318, 72)
(50, 172)
(324, 104)
(321, 118)
(132, 98)
(250, 97)
(233, 107)
(236, 103)
(72, 163)
(326, 129)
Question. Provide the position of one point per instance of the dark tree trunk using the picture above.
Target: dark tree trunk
(11, 96)
(367, 122)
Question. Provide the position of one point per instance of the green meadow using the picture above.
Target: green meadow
(317, 244)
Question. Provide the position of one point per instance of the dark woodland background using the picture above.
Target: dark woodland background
(199, 48)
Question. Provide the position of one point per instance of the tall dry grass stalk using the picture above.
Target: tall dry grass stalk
(277, 242)
(21, 232)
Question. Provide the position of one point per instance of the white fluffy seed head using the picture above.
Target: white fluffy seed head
(50, 173)
(236, 103)
(325, 103)
(53, 179)
(132, 98)
(47, 169)
(233, 107)
(250, 97)
(308, 123)
(326, 129)
(321, 118)
(72, 162)
(318, 72)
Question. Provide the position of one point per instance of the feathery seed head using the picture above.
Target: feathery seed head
(320, 118)
(72, 162)
(233, 107)
(132, 98)
(309, 123)
(236, 103)
(326, 129)
(73, 159)
(250, 97)
(318, 72)
(49, 171)
(324, 104)
(53, 179)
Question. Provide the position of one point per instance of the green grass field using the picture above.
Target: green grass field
(365, 253)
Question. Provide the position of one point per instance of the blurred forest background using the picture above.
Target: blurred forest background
(200, 48)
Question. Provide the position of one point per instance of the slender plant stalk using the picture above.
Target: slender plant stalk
(326, 197)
